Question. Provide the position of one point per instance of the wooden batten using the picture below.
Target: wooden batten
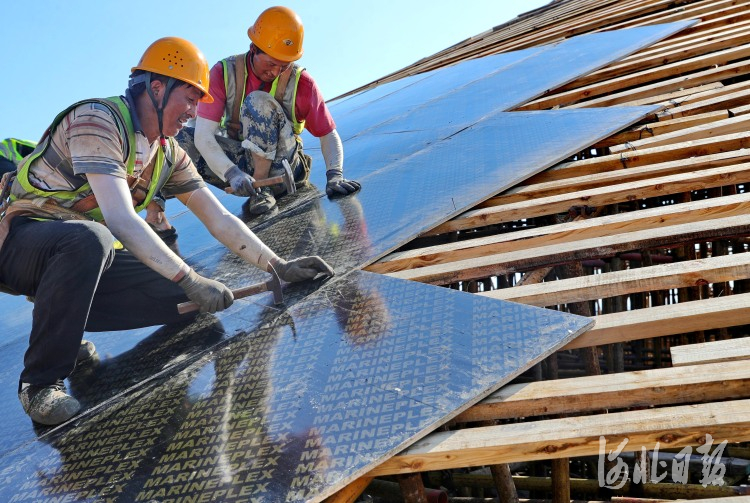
(562, 253)
(719, 381)
(600, 196)
(712, 352)
(669, 427)
(659, 277)
(609, 225)
(647, 76)
(642, 157)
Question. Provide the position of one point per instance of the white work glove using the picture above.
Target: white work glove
(209, 294)
(241, 182)
(300, 269)
(337, 185)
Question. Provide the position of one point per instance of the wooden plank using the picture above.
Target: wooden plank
(640, 91)
(631, 159)
(351, 492)
(600, 286)
(668, 427)
(724, 98)
(685, 317)
(675, 96)
(709, 352)
(643, 388)
(697, 45)
(600, 196)
(639, 78)
(702, 31)
(702, 131)
(543, 256)
(658, 128)
(740, 110)
(706, 10)
(567, 185)
(608, 225)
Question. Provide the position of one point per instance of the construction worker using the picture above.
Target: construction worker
(264, 100)
(12, 150)
(103, 160)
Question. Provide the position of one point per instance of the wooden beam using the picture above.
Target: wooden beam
(726, 352)
(658, 128)
(619, 97)
(645, 279)
(718, 101)
(608, 225)
(668, 427)
(702, 131)
(705, 10)
(682, 318)
(644, 157)
(351, 492)
(696, 46)
(643, 388)
(668, 71)
(534, 258)
(599, 196)
(673, 97)
(586, 182)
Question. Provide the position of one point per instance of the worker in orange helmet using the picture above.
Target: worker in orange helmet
(103, 160)
(263, 99)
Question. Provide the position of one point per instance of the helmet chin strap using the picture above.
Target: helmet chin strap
(159, 107)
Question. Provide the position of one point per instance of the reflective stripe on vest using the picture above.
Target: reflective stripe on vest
(122, 112)
(9, 149)
(287, 104)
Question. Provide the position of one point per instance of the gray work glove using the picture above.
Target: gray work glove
(337, 185)
(241, 182)
(209, 294)
(301, 268)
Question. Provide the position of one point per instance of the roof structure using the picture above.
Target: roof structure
(644, 231)
(591, 169)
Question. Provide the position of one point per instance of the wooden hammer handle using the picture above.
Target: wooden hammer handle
(245, 291)
(274, 180)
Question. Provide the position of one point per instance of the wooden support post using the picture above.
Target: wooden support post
(412, 488)
(618, 306)
(561, 480)
(506, 489)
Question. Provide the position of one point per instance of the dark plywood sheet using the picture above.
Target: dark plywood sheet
(411, 182)
(397, 203)
(403, 198)
(299, 407)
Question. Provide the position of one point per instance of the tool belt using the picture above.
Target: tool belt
(138, 191)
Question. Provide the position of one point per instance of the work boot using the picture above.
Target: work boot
(49, 405)
(87, 354)
(262, 203)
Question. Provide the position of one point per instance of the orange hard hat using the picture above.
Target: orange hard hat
(177, 58)
(278, 32)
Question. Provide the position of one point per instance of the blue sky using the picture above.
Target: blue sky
(60, 51)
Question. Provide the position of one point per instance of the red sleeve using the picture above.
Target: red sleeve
(311, 107)
(215, 111)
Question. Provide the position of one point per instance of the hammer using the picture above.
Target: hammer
(272, 285)
(287, 179)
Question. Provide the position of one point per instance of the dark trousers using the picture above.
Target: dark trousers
(79, 283)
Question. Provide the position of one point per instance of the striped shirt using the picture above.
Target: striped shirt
(88, 140)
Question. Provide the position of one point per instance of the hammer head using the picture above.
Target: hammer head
(288, 178)
(274, 286)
